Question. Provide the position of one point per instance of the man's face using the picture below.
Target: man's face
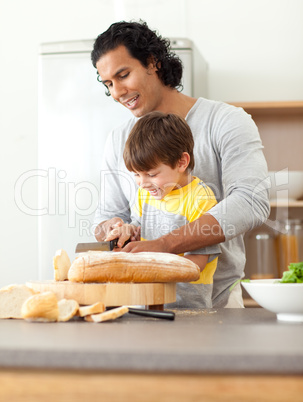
(137, 88)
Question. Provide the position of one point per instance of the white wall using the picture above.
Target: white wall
(254, 50)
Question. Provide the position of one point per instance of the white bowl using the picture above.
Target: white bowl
(284, 299)
(286, 185)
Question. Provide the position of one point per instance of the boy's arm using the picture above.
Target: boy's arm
(200, 259)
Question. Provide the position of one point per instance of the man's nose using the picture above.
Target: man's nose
(117, 91)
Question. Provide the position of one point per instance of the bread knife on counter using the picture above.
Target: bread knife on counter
(166, 315)
(98, 246)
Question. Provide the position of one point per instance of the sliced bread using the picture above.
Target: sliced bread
(12, 298)
(41, 307)
(67, 309)
(92, 309)
(107, 315)
(61, 264)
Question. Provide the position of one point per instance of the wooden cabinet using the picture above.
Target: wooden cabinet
(281, 129)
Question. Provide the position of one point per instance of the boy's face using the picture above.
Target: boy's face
(137, 88)
(162, 180)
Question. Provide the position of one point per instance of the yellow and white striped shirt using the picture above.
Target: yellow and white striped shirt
(176, 209)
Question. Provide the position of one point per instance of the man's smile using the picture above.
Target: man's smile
(131, 102)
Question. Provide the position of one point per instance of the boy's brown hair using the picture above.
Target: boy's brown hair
(158, 138)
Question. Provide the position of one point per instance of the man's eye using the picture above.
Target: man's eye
(124, 76)
(152, 175)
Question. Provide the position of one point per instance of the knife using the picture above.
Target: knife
(98, 246)
(167, 315)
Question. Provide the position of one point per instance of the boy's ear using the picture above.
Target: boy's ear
(183, 162)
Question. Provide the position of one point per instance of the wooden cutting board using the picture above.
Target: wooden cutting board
(111, 294)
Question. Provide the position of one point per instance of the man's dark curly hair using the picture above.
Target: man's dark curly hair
(142, 44)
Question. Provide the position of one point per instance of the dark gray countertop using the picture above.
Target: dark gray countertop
(201, 341)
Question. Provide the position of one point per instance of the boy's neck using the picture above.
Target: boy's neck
(184, 180)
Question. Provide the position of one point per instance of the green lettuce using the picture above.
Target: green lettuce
(295, 273)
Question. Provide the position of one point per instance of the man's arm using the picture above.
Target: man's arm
(113, 205)
(199, 259)
(203, 232)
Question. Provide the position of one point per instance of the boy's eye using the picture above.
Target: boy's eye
(124, 76)
(152, 175)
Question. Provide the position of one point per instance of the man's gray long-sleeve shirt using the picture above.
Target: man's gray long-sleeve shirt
(228, 158)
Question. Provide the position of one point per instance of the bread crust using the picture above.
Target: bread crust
(144, 267)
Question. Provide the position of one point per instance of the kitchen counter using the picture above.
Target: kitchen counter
(199, 342)
(208, 341)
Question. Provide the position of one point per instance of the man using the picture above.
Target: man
(140, 72)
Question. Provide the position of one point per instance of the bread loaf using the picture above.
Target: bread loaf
(145, 267)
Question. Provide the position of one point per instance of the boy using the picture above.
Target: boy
(159, 150)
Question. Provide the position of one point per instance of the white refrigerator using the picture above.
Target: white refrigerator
(75, 117)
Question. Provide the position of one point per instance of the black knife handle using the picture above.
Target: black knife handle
(113, 243)
(166, 315)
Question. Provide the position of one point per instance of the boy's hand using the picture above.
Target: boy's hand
(123, 232)
(104, 228)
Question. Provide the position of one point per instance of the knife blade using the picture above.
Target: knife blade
(98, 246)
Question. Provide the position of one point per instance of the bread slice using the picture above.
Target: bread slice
(41, 307)
(144, 267)
(61, 263)
(11, 299)
(107, 315)
(67, 309)
(92, 309)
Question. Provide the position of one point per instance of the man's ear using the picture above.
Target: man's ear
(152, 64)
(183, 162)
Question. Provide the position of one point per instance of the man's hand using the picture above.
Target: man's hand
(148, 245)
(104, 228)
